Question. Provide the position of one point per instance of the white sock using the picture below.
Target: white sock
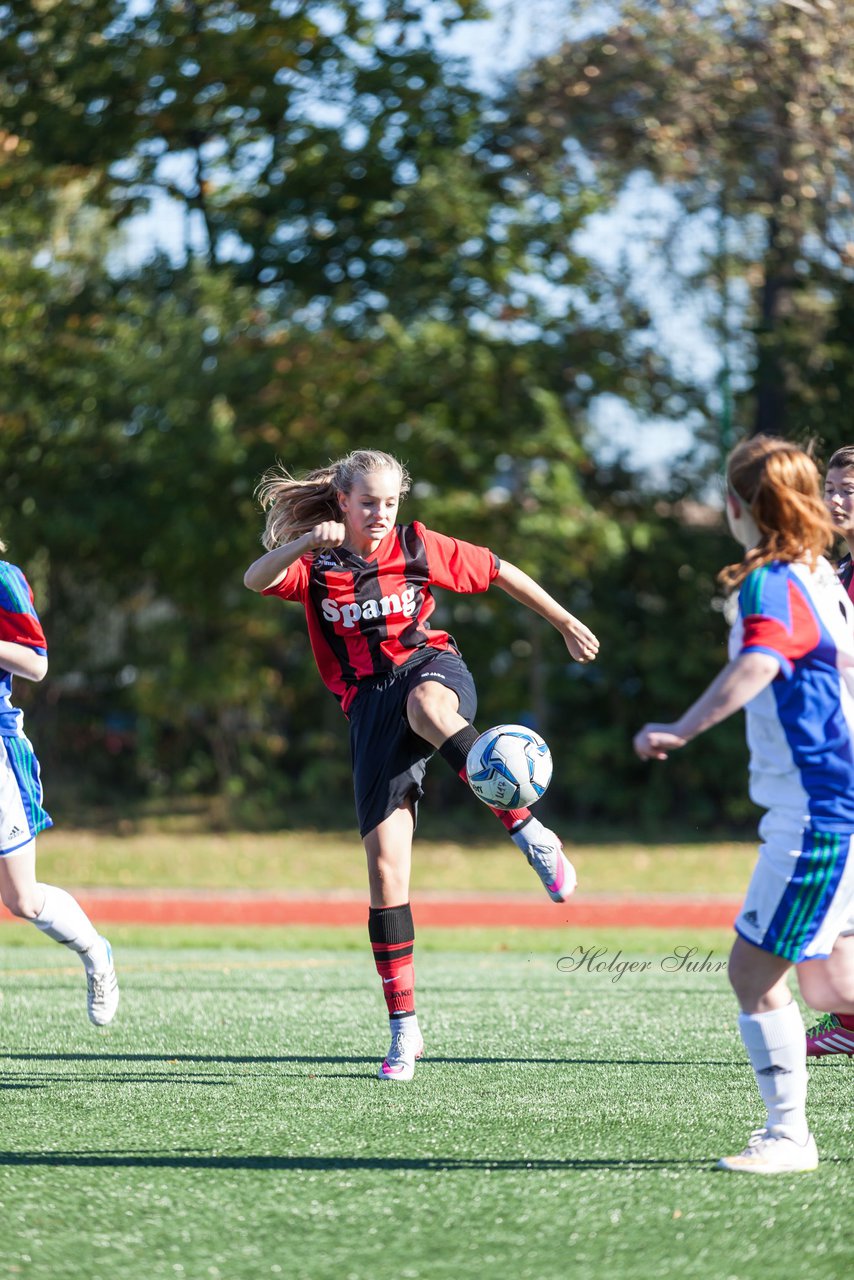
(533, 832)
(63, 919)
(776, 1046)
(409, 1026)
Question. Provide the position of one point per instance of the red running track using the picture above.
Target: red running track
(108, 907)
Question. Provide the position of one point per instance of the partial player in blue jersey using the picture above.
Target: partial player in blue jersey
(23, 652)
(791, 668)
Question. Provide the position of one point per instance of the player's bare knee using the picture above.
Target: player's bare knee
(748, 989)
(420, 709)
(388, 869)
(429, 707)
(24, 905)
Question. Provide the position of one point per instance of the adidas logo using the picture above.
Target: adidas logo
(774, 1070)
(16, 831)
(750, 917)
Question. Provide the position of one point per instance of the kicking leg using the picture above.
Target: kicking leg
(772, 1030)
(61, 917)
(432, 711)
(392, 933)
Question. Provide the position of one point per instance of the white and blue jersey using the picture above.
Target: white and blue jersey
(22, 814)
(800, 733)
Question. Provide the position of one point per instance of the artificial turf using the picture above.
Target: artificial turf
(229, 1124)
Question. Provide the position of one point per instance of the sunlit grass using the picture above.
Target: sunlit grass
(305, 861)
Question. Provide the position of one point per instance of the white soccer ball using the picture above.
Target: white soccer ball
(509, 767)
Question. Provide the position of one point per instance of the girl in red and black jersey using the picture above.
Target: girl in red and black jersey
(365, 583)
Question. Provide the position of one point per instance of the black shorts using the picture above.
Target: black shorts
(389, 760)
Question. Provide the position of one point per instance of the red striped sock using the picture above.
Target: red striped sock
(392, 935)
(455, 750)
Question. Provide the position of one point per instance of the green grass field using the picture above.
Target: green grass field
(562, 1124)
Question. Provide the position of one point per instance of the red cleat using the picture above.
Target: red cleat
(832, 1034)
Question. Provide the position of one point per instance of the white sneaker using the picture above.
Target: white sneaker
(769, 1152)
(544, 852)
(102, 997)
(399, 1062)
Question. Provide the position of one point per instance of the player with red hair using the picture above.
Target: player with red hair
(792, 669)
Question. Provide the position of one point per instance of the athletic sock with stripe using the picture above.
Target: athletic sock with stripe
(392, 934)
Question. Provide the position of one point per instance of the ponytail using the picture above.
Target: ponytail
(779, 483)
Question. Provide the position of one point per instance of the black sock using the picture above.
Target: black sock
(456, 748)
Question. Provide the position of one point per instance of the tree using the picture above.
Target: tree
(408, 279)
(143, 402)
(743, 109)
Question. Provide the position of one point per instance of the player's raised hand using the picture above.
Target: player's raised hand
(656, 741)
(581, 642)
(329, 533)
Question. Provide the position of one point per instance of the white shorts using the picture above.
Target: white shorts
(801, 895)
(22, 815)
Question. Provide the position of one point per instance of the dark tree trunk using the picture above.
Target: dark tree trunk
(770, 384)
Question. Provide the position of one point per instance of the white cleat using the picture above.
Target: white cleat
(102, 998)
(399, 1062)
(544, 852)
(773, 1153)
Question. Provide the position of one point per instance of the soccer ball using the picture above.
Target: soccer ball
(509, 767)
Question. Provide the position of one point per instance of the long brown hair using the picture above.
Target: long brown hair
(781, 486)
(295, 505)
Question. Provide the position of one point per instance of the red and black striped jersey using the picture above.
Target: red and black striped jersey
(366, 617)
(845, 573)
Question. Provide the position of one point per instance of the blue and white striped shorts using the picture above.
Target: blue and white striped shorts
(801, 896)
(22, 815)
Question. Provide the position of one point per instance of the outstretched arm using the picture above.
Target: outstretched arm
(21, 660)
(269, 569)
(742, 679)
(580, 641)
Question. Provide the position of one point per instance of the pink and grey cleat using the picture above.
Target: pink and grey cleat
(832, 1034)
(544, 852)
(399, 1063)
